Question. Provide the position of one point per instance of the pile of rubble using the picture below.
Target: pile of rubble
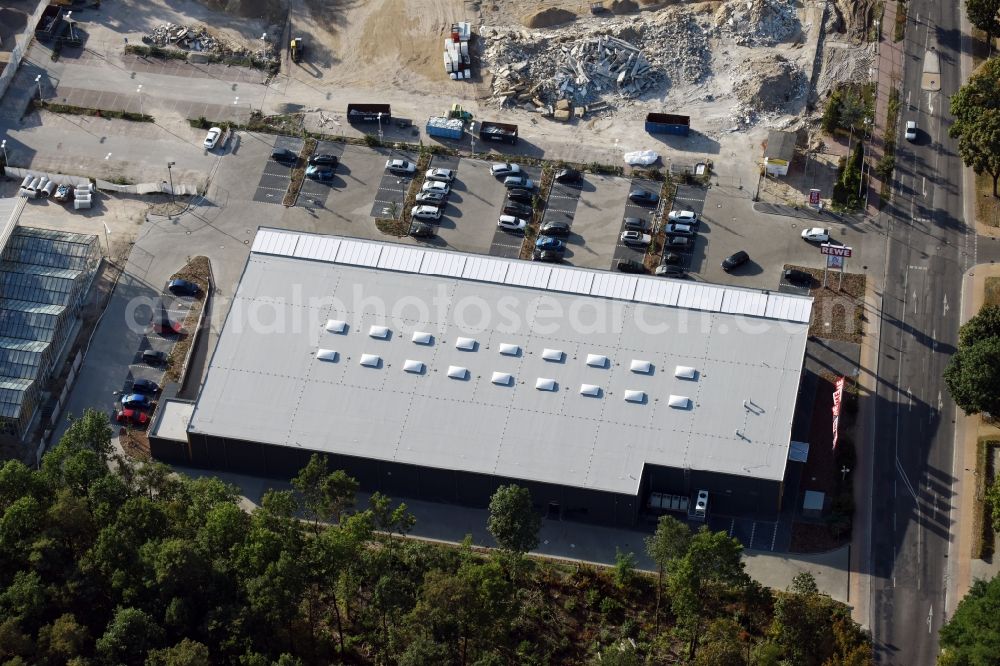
(197, 38)
(758, 22)
(597, 63)
(768, 85)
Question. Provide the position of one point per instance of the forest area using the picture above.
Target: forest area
(108, 561)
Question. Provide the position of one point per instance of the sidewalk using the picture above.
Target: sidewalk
(888, 75)
(968, 428)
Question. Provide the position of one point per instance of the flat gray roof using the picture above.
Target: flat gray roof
(173, 419)
(268, 383)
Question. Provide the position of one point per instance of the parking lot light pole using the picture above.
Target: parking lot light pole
(38, 82)
(139, 92)
(380, 127)
(171, 177)
(3, 145)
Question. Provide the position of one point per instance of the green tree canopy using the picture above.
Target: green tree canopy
(972, 635)
(985, 15)
(976, 108)
(973, 376)
(513, 521)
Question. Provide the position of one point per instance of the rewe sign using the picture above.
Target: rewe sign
(835, 250)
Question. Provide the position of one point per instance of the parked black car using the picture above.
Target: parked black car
(569, 176)
(183, 288)
(666, 270)
(734, 260)
(797, 276)
(517, 209)
(670, 258)
(421, 230)
(630, 266)
(154, 357)
(324, 160)
(555, 228)
(635, 224)
(144, 386)
(549, 256)
(284, 155)
(522, 196)
(643, 197)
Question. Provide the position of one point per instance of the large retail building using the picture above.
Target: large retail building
(440, 375)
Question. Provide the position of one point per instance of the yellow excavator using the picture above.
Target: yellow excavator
(296, 48)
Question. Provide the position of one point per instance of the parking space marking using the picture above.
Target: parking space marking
(314, 193)
(637, 254)
(506, 244)
(276, 177)
(694, 198)
(392, 189)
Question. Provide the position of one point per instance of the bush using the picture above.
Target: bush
(885, 167)
(831, 115)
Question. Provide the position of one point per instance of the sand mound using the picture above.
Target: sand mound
(770, 84)
(547, 18)
(623, 7)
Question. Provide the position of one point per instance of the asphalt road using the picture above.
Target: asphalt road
(929, 247)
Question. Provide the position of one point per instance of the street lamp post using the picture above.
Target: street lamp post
(170, 175)
(69, 19)
(380, 127)
(3, 145)
(38, 82)
(139, 92)
(263, 38)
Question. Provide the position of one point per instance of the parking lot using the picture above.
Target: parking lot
(644, 211)
(505, 243)
(392, 188)
(276, 176)
(596, 221)
(690, 197)
(314, 193)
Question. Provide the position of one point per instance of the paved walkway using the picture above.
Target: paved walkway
(888, 75)
(969, 429)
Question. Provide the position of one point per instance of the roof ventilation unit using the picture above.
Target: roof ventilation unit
(326, 355)
(371, 360)
(642, 367)
(591, 390)
(336, 326)
(421, 338)
(458, 372)
(554, 355)
(679, 401)
(597, 361)
(685, 372)
(508, 349)
(466, 344)
(380, 332)
(635, 396)
(545, 384)
(502, 378)
(416, 367)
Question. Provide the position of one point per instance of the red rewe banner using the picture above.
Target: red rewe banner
(838, 395)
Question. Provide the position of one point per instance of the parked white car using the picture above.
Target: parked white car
(683, 216)
(212, 138)
(435, 186)
(505, 169)
(444, 175)
(911, 130)
(511, 223)
(400, 167)
(816, 235)
(425, 213)
(635, 238)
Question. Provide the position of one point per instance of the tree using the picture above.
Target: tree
(513, 521)
(979, 145)
(985, 15)
(973, 376)
(665, 546)
(129, 637)
(62, 640)
(986, 324)
(972, 635)
(624, 570)
(326, 496)
(185, 653)
(976, 125)
(712, 558)
(993, 503)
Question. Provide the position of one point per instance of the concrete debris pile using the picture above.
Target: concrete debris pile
(597, 63)
(758, 22)
(770, 84)
(197, 38)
